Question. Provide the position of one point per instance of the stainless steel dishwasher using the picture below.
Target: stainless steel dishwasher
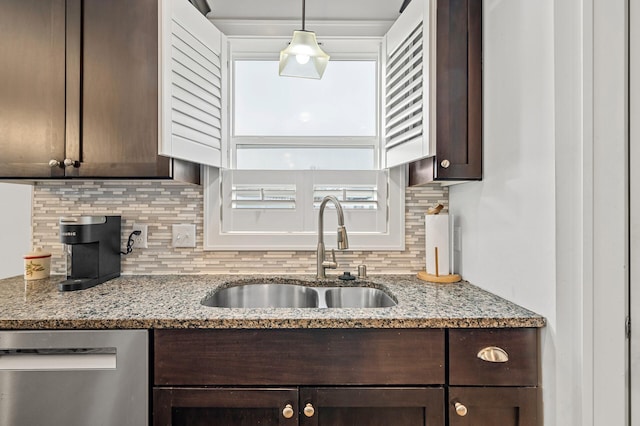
(74, 378)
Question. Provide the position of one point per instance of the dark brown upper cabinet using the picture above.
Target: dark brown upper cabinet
(32, 87)
(79, 90)
(433, 91)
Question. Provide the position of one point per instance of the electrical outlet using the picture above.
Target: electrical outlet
(140, 241)
(184, 235)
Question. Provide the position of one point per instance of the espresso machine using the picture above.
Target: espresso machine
(92, 250)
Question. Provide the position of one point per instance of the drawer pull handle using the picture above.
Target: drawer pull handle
(287, 412)
(461, 409)
(309, 411)
(493, 354)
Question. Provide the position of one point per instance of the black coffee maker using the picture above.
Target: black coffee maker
(92, 250)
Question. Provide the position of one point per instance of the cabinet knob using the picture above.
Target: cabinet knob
(54, 163)
(68, 162)
(461, 409)
(445, 164)
(309, 411)
(287, 412)
(493, 354)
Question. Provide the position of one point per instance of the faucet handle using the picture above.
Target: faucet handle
(331, 264)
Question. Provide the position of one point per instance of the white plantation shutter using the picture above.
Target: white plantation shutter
(288, 201)
(351, 197)
(255, 201)
(407, 80)
(278, 210)
(403, 118)
(192, 90)
(259, 196)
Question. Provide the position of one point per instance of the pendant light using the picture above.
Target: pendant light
(303, 57)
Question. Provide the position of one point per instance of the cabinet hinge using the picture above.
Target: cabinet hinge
(628, 327)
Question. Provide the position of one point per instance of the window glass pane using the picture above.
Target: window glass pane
(302, 158)
(342, 103)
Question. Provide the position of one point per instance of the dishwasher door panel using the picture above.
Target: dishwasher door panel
(74, 378)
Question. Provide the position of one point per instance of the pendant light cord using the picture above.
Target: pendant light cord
(302, 15)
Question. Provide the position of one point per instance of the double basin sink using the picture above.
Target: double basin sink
(269, 295)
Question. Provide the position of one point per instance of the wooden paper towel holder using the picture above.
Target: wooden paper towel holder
(451, 278)
(437, 278)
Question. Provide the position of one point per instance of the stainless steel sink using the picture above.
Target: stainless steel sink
(265, 295)
(357, 297)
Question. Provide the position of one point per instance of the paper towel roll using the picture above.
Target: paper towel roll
(437, 236)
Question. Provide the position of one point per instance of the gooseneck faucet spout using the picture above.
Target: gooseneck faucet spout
(343, 242)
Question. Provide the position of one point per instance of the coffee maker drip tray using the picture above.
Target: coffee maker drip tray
(72, 284)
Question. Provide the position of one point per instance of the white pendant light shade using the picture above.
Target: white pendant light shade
(303, 57)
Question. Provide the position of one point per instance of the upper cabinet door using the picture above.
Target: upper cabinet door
(32, 88)
(408, 80)
(458, 153)
(114, 88)
(192, 75)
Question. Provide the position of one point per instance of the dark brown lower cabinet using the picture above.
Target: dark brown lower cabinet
(224, 406)
(371, 406)
(324, 406)
(347, 377)
(493, 406)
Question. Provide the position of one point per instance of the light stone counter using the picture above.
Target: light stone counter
(173, 301)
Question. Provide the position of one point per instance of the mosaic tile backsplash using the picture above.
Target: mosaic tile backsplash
(161, 204)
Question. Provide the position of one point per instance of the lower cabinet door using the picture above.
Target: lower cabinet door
(349, 406)
(225, 406)
(492, 406)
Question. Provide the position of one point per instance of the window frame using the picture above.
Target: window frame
(216, 208)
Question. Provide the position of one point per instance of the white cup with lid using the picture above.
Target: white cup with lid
(37, 264)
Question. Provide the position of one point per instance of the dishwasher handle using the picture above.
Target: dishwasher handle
(58, 359)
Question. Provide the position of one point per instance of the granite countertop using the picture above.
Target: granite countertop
(173, 301)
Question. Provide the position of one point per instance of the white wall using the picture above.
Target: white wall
(548, 227)
(507, 220)
(15, 227)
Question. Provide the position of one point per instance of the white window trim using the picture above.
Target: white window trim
(391, 239)
(217, 240)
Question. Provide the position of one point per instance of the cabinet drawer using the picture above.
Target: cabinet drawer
(301, 357)
(466, 366)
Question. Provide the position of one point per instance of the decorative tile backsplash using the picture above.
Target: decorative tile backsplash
(161, 204)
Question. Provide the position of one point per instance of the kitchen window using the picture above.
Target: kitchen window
(291, 141)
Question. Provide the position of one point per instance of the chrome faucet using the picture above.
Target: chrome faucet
(343, 242)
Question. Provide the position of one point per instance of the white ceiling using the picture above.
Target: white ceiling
(316, 10)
